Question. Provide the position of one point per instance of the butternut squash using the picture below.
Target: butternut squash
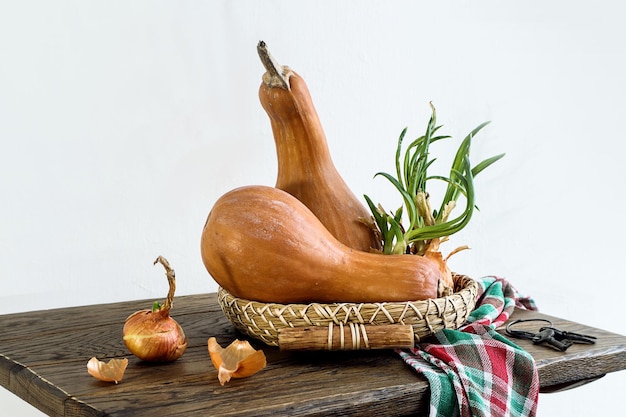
(305, 167)
(261, 243)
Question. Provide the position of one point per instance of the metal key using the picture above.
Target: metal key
(571, 336)
(547, 335)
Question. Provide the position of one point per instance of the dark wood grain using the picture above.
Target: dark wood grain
(43, 358)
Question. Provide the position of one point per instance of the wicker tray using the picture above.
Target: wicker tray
(263, 321)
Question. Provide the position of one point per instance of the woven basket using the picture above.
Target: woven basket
(263, 321)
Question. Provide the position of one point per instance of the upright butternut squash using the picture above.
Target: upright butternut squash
(305, 167)
(261, 243)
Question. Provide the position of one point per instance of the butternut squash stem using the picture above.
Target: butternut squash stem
(277, 75)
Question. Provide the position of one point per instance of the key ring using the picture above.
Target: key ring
(522, 334)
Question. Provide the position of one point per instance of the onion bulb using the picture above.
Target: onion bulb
(152, 335)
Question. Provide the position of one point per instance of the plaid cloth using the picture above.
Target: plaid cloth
(474, 371)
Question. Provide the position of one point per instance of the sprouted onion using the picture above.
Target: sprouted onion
(427, 228)
(152, 335)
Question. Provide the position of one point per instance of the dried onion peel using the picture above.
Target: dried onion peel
(238, 360)
(111, 371)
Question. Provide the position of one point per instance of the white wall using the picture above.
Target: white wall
(122, 122)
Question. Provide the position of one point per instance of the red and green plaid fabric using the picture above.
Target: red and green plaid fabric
(474, 371)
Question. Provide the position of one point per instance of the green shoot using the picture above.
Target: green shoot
(427, 227)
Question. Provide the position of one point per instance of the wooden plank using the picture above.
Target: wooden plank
(305, 388)
(65, 339)
(356, 380)
(103, 340)
(63, 352)
(45, 322)
(45, 356)
(32, 387)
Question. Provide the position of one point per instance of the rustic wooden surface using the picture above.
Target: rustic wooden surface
(44, 354)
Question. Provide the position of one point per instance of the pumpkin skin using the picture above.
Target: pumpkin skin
(305, 167)
(263, 244)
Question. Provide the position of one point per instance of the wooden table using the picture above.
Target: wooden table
(43, 358)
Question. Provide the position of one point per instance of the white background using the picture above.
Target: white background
(122, 122)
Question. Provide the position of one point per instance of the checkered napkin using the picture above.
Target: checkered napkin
(474, 371)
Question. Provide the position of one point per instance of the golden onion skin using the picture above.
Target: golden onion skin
(154, 336)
